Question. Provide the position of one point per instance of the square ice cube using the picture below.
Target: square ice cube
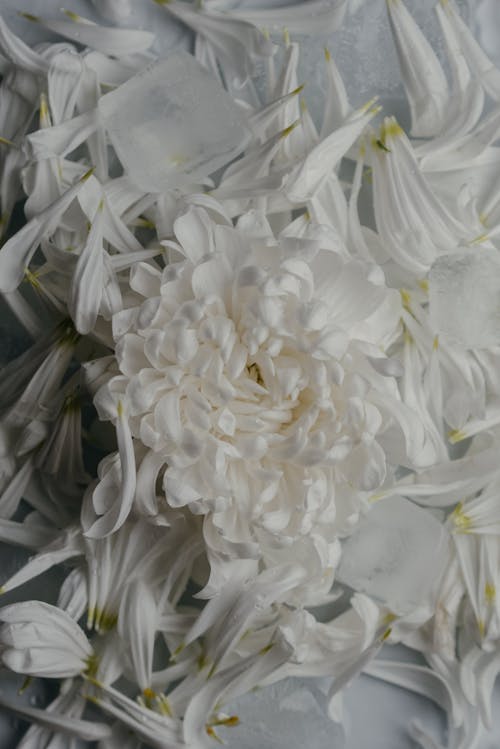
(464, 297)
(172, 123)
(397, 554)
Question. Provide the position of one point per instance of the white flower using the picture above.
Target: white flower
(246, 372)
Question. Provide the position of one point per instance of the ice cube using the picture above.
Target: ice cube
(464, 294)
(291, 713)
(397, 555)
(172, 123)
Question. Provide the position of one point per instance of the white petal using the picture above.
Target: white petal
(234, 40)
(63, 548)
(62, 139)
(137, 624)
(306, 179)
(86, 288)
(82, 729)
(423, 77)
(233, 681)
(488, 74)
(29, 535)
(115, 516)
(147, 475)
(194, 232)
(112, 41)
(43, 641)
(64, 78)
(315, 17)
(337, 105)
(17, 252)
(19, 53)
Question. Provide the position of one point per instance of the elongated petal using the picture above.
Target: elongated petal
(138, 621)
(61, 139)
(158, 730)
(86, 289)
(58, 551)
(19, 53)
(82, 729)
(263, 119)
(423, 77)
(64, 78)
(421, 680)
(487, 72)
(17, 252)
(233, 681)
(112, 41)
(28, 535)
(306, 179)
(14, 490)
(234, 40)
(316, 16)
(337, 105)
(467, 98)
(116, 515)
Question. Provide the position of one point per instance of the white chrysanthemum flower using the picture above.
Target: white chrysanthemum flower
(251, 370)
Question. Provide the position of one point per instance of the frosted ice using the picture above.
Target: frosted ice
(397, 554)
(464, 293)
(172, 123)
(290, 713)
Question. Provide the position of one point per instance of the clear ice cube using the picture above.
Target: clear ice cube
(464, 295)
(172, 123)
(290, 713)
(397, 555)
